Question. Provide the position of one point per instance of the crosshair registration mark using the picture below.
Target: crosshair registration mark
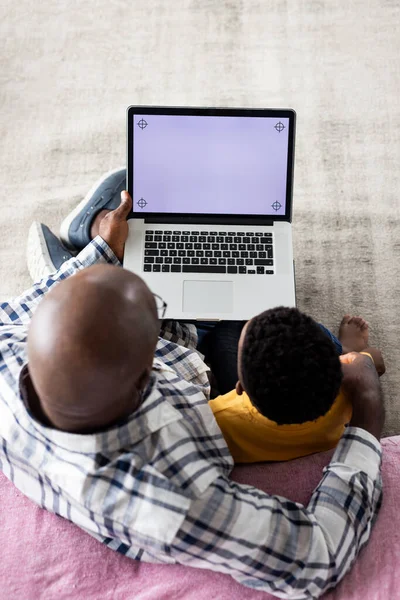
(279, 127)
(276, 205)
(142, 124)
(141, 203)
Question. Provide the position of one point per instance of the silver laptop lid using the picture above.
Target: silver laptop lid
(210, 165)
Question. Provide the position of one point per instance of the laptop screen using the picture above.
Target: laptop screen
(195, 164)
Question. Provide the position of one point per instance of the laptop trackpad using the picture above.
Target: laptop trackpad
(202, 297)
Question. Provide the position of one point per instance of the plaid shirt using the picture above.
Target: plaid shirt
(157, 487)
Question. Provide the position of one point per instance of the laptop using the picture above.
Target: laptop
(210, 230)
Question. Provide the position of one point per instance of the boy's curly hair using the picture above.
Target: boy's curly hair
(289, 367)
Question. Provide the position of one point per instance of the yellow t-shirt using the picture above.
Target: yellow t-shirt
(251, 437)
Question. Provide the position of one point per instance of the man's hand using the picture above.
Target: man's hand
(113, 227)
(361, 385)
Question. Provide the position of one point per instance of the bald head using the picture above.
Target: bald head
(91, 344)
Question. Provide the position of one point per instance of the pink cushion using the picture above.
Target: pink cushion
(44, 556)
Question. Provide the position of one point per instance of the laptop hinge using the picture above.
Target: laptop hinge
(242, 221)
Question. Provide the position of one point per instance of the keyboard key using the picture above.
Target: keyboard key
(265, 240)
(240, 261)
(176, 238)
(149, 231)
(173, 252)
(229, 240)
(237, 240)
(242, 247)
(246, 240)
(224, 246)
(226, 254)
(177, 260)
(191, 253)
(199, 253)
(193, 238)
(166, 238)
(151, 252)
(222, 233)
(162, 245)
(163, 252)
(235, 254)
(176, 268)
(269, 272)
(167, 232)
(208, 253)
(168, 259)
(262, 262)
(232, 269)
(211, 239)
(249, 233)
(196, 233)
(222, 261)
(262, 255)
(259, 234)
(186, 261)
(181, 253)
(213, 261)
(268, 235)
(251, 272)
(204, 261)
(150, 245)
(231, 261)
(185, 232)
(270, 253)
(203, 232)
(159, 259)
(148, 238)
(146, 267)
(219, 239)
(240, 233)
(260, 270)
(176, 233)
(255, 240)
(244, 254)
(242, 270)
(180, 246)
(171, 246)
(215, 246)
(217, 253)
(148, 259)
(165, 268)
(198, 246)
(202, 239)
(233, 246)
(249, 262)
(206, 246)
(231, 232)
(260, 247)
(158, 238)
(251, 247)
(158, 232)
(195, 261)
(184, 238)
(203, 269)
(253, 254)
(156, 268)
(188, 246)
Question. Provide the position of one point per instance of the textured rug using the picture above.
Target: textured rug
(68, 70)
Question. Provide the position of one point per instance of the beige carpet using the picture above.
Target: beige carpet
(69, 69)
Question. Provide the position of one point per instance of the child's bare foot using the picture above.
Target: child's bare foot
(353, 334)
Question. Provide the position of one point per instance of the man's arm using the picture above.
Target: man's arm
(275, 545)
(278, 546)
(108, 247)
(20, 310)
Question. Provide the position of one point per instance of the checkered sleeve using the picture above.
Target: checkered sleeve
(20, 310)
(278, 546)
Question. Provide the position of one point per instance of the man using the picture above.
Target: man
(95, 429)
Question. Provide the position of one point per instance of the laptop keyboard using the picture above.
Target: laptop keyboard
(241, 253)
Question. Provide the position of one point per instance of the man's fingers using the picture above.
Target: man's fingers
(125, 207)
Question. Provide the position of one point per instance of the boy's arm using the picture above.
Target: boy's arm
(20, 310)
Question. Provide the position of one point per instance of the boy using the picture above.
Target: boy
(287, 402)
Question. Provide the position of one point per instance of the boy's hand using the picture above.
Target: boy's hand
(361, 385)
(113, 227)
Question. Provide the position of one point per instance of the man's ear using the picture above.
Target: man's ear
(239, 388)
